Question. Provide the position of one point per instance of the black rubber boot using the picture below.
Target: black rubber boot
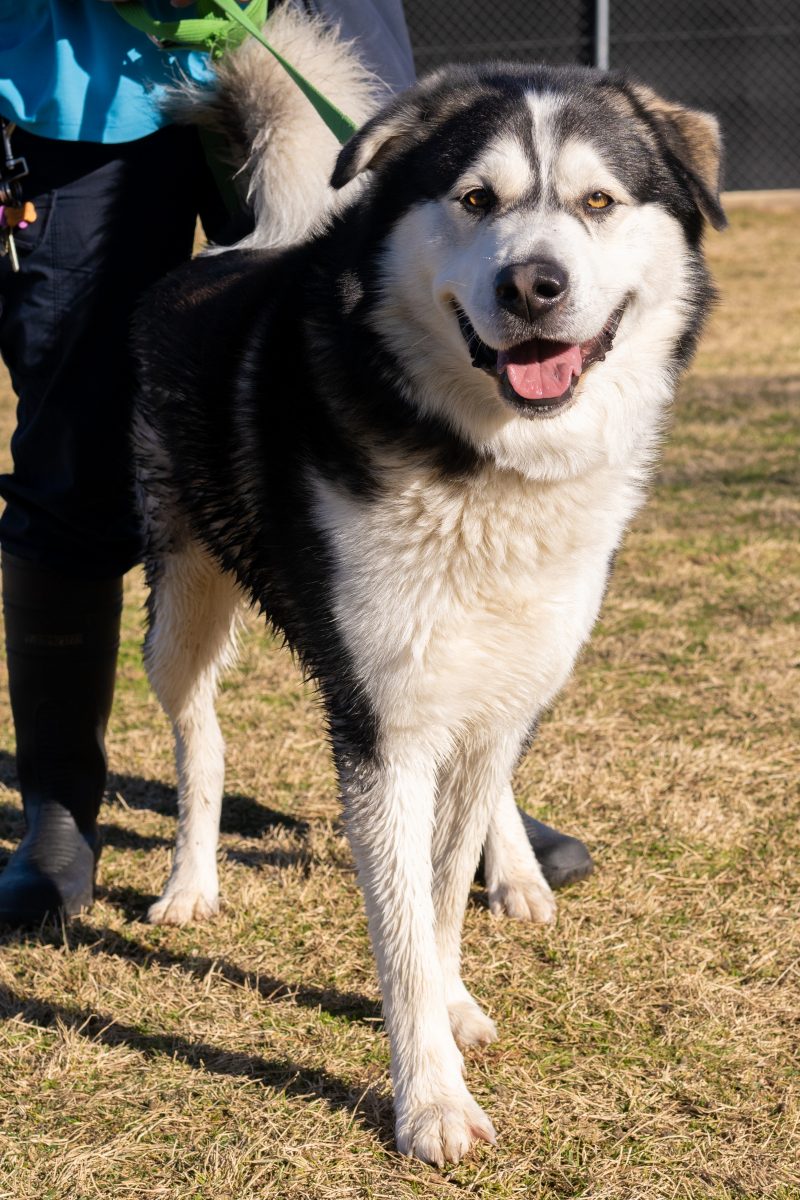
(563, 859)
(62, 636)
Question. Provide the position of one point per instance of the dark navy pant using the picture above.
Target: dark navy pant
(112, 220)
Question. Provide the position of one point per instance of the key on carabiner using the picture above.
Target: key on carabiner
(10, 247)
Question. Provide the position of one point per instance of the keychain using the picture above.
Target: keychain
(15, 213)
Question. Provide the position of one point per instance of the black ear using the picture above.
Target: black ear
(389, 132)
(694, 138)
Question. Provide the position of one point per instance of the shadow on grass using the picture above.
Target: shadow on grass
(242, 815)
(12, 827)
(129, 901)
(279, 1075)
(353, 1006)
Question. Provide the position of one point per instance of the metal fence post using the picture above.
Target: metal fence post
(602, 22)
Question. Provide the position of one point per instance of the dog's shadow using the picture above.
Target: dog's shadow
(241, 815)
(364, 1099)
(351, 1005)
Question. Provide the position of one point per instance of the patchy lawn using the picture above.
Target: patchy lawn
(648, 1043)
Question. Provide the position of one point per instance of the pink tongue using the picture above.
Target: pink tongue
(539, 370)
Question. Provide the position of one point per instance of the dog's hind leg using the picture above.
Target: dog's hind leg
(469, 797)
(462, 815)
(514, 879)
(190, 640)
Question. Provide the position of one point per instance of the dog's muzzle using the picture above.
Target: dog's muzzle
(538, 377)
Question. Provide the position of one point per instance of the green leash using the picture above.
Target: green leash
(217, 34)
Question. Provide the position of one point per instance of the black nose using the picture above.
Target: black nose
(530, 289)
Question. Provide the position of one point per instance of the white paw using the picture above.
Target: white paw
(443, 1131)
(182, 906)
(525, 898)
(470, 1024)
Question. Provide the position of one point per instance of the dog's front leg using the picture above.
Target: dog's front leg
(390, 809)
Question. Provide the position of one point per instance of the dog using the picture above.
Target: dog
(410, 418)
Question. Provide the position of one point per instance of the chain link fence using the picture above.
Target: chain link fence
(737, 58)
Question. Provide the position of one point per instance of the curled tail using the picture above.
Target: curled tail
(279, 148)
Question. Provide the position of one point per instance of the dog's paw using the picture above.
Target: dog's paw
(183, 907)
(470, 1024)
(443, 1131)
(525, 898)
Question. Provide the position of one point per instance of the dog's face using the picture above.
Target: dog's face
(532, 223)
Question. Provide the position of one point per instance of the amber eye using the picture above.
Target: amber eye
(598, 200)
(477, 200)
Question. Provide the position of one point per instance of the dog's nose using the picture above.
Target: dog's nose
(530, 289)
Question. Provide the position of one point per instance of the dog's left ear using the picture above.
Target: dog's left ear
(694, 139)
(387, 133)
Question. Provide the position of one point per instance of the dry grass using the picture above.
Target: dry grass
(649, 1042)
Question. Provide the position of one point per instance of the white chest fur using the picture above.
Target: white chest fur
(467, 601)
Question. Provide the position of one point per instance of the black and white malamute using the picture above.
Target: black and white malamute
(410, 419)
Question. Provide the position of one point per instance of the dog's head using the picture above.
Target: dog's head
(532, 222)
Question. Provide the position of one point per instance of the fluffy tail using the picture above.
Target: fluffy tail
(279, 148)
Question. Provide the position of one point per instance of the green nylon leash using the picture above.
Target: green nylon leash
(215, 35)
(209, 33)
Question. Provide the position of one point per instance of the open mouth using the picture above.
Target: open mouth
(538, 377)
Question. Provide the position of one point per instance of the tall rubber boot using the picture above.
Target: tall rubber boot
(62, 637)
(564, 859)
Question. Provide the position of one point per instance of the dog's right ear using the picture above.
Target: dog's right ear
(389, 132)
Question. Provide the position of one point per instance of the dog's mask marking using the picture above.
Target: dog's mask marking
(540, 215)
(580, 171)
(663, 141)
(505, 168)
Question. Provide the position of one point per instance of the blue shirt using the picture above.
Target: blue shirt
(76, 71)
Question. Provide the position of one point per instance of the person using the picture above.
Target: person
(117, 191)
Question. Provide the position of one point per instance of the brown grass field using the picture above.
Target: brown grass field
(648, 1042)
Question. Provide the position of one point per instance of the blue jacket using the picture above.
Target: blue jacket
(76, 71)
